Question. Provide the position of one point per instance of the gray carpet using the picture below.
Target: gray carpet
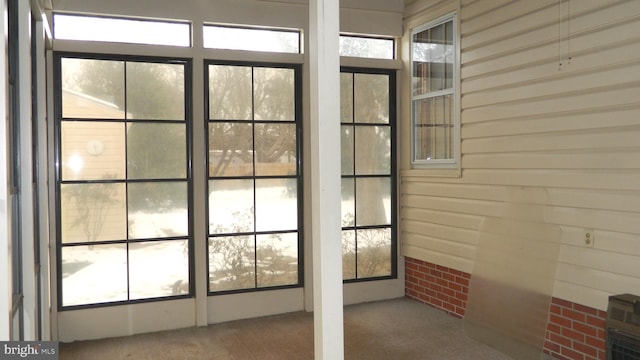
(400, 329)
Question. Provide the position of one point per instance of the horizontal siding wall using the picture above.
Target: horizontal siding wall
(550, 99)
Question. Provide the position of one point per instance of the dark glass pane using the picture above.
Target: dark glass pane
(348, 202)
(437, 55)
(232, 263)
(276, 204)
(230, 92)
(94, 274)
(373, 201)
(374, 252)
(371, 97)
(275, 149)
(348, 254)
(277, 259)
(92, 150)
(92, 212)
(158, 268)
(157, 209)
(346, 152)
(92, 89)
(373, 150)
(231, 206)
(346, 97)
(155, 91)
(274, 95)
(156, 151)
(449, 57)
(230, 149)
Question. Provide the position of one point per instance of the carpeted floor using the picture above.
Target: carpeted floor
(400, 329)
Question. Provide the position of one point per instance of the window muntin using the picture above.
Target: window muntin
(254, 182)
(123, 30)
(251, 39)
(123, 182)
(368, 196)
(433, 93)
(367, 47)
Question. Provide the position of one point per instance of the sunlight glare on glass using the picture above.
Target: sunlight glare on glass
(230, 38)
(91, 28)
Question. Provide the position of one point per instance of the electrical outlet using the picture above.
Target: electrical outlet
(589, 238)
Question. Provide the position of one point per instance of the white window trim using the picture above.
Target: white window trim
(446, 167)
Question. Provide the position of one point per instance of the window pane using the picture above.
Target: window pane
(366, 47)
(346, 145)
(92, 212)
(348, 254)
(371, 93)
(232, 263)
(94, 274)
(374, 252)
(230, 92)
(433, 128)
(449, 55)
(230, 149)
(156, 151)
(92, 150)
(93, 28)
(155, 91)
(373, 206)
(373, 150)
(273, 94)
(157, 209)
(277, 259)
(159, 268)
(275, 149)
(348, 202)
(230, 206)
(433, 58)
(221, 37)
(92, 89)
(276, 204)
(346, 97)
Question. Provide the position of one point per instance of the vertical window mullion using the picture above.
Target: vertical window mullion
(255, 187)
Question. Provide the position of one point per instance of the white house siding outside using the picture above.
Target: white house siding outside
(548, 102)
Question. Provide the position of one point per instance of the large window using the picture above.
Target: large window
(254, 176)
(123, 179)
(433, 93)
(368, 181)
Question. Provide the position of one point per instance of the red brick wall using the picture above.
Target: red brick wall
(436, 285)
(574, 331)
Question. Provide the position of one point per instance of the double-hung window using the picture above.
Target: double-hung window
(433, 94)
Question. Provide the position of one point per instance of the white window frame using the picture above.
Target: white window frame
(454, 161)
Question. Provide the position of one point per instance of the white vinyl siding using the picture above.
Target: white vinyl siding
(549, 100)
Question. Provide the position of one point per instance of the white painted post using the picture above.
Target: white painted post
(324, 62)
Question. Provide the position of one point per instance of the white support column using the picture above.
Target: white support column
(30, 302)
(325, 183)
